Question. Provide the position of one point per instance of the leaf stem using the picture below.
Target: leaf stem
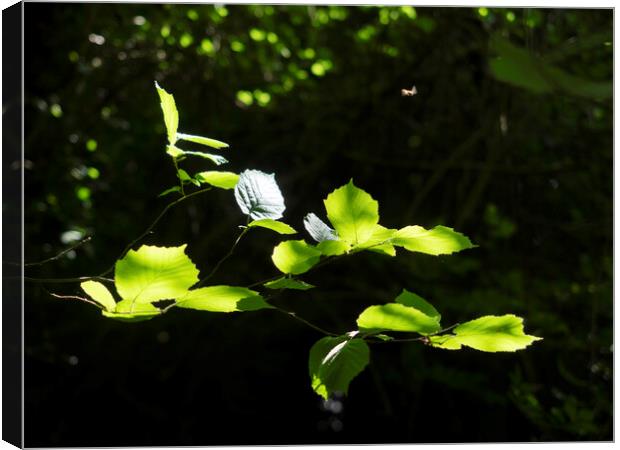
(418, 339)
(302, 320)
(152, 225)
(74, 297)
(176, 167)
(65, 280)
(53, 258)
(226, 256)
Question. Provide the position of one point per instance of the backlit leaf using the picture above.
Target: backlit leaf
(438, 241)
(258, 195)
(288, 283)
(171, 115)
(278, 227)
(353, 213)
(333, 248)
(223, 180)
(217, 159)
(170, 191)
(295, 257)
(202, 140)
(129, 311)
(223, 299)
(415, 301)
(99, 293)
(154, 273)
(334, 362)
(397, 317)
(487, 334)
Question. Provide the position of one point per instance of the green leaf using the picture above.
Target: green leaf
(353, 213)
(288, 283)
(217, 159)
(99, 293)
(379, 241)
(223, 180)
(519, 67)
(129, 311)
(258, 195)
(384, 249)
(487, 334)
(223, 299)
(333, 248)
(383, 337)
(171, 115)
(295, 257)
(278, 227)
(170, 191)
(334, 362)
(318, 229)
(202, 140)
(174, 151)
(415, 301)
(438, 241)
(154, 273)
(183, 175)
(397, 317)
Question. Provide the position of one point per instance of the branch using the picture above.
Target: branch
(302, 320)
(152, 225)
(64, 280)
(53, 258)
(74, 297)
(418, 339)
(228, 255)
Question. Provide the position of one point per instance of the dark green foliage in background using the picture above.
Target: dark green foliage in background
(521, 164)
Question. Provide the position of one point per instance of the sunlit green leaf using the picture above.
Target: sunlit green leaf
(487, 334)
(217, 159)
(202, 140)
(334, 362)
(397, 317)
(333, 248)
(222, 299)
(130, 311)
(99, 293)
(170, 191)
(258, 195)
(288, 283)
(171, 115)
(295, 257)
(353, 213)
(174, 151)
(410, 299)
(278, 227)
(223, 180)
(154, 273)
(379, 241)
(438, 241)
(183, 175)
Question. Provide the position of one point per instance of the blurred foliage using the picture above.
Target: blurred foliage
(521, 165)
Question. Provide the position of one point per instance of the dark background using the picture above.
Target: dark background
(525, 172)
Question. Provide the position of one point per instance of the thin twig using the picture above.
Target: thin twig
(75, 297)
(152, 225)
(418, 339)
(64, 280)
(228, 255)
(302, 320)
(53, 258)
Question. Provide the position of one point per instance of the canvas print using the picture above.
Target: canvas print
(316, 224)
